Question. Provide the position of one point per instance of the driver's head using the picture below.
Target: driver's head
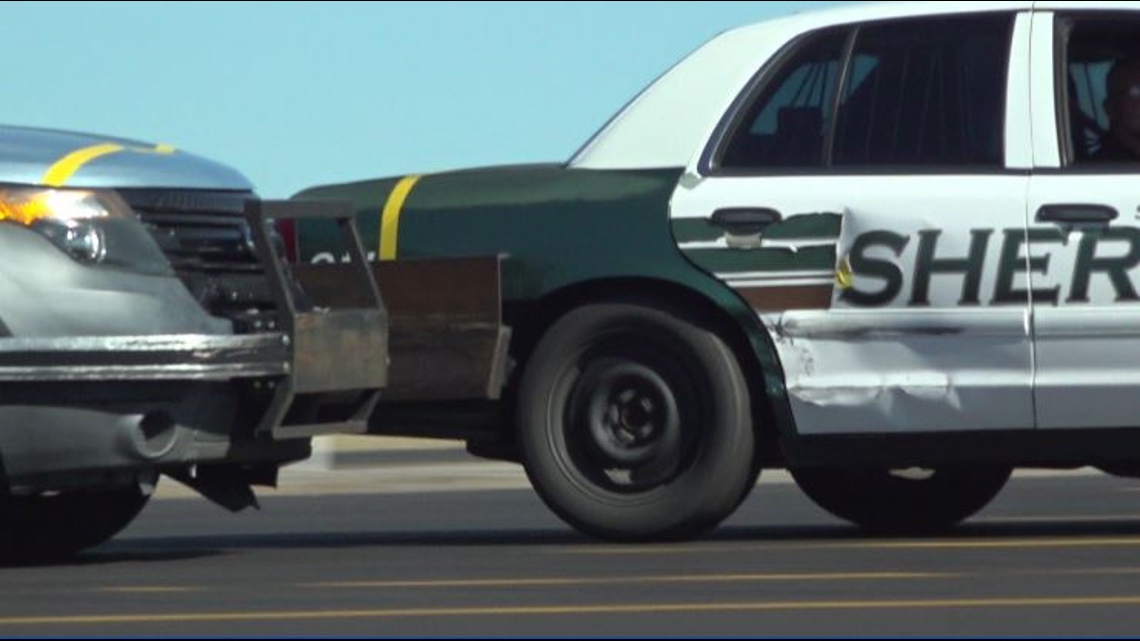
(1123, 100)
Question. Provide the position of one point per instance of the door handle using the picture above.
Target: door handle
(746, 221)
(1077, 214)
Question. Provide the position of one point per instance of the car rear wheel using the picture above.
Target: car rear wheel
(903, 501)
(635, 423)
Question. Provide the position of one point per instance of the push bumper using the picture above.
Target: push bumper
(81, 410)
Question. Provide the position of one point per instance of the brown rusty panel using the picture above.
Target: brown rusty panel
(446, 338)
(457, 289)
(467, 287)
(435, 362)
(340, 349)
(776, 299)
(331, 286)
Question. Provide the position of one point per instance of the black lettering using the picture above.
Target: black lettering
(1117, 268)
(1013, 263)
(926, 265)
(886, 270)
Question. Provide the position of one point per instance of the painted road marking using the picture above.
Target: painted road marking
(964, 544)
(1045, 519)
(530, 582)
(574, 581)
(147, 589)
(563, 610)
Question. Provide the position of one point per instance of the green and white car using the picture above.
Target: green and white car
(876, 246)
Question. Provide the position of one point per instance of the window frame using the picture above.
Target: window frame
(735, 119)
(709, 163)
(1063, 25)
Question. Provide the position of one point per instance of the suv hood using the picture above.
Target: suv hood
(61, 158)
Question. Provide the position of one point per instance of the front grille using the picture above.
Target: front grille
(208, 243)
(207, 240)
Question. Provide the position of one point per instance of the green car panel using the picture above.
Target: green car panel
(556, 228)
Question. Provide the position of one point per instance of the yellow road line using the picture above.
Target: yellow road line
(863, 545)
(563, 610)
(998, 544)
(390, 217)
(1068, 519)
(59, 173)
(142, 589)
(573, 581)
(1126, 571)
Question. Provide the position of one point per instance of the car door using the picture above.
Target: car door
(865, 198)
(1084, 236)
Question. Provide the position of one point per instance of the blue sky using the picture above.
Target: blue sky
(301, 93)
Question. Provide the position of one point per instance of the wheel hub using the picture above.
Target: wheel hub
(632, 417)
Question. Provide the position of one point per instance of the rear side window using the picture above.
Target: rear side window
(787, 124)
(926, 92)
(1100, 93)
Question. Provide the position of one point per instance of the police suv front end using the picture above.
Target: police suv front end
(150, 325)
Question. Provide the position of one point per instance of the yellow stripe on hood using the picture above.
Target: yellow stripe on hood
(59, 173)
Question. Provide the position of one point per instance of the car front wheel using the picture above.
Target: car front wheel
(47, 527)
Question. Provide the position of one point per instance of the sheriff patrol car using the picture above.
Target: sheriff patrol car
(880, 246)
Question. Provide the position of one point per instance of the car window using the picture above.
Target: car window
(786, 125)
(1100, 96)
(926, 92)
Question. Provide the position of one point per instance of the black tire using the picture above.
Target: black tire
(635, 423)
(55, 526)
(894, 502)
(750, 484)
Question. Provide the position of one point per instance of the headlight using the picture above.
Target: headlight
(66, 217)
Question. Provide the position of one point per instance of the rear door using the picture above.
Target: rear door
(1084, 205)
(865, 197)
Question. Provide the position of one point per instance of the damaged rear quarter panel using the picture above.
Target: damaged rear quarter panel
(896, 366)
(557, 227)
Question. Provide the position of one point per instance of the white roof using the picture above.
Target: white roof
(865, 11)
(669, 122)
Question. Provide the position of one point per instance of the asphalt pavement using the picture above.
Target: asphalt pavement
(464, 549)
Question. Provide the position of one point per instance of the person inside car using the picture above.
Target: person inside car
(1122, 103)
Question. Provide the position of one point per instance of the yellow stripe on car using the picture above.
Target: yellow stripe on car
(844, 275)
(63, 169)
(59, 173)
(390, 217)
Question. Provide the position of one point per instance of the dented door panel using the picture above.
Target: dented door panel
(893, 306)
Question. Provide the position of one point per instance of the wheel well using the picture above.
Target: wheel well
(529, 321)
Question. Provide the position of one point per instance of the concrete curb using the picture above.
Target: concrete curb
(335, 452)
